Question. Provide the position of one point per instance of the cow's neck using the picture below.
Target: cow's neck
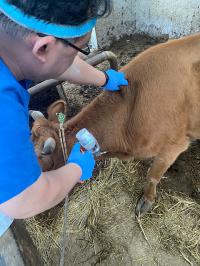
(101, 118)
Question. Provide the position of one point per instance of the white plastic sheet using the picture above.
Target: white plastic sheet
(5, 223)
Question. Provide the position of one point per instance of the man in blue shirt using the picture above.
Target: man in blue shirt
(40, 39)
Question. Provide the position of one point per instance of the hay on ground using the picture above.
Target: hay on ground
(101, 221)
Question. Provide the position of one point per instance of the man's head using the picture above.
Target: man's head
(68, 19)
(64, 12)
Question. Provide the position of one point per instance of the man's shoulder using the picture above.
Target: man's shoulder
(19, 167)
(14, 100)
(10, 89)
(13, 93)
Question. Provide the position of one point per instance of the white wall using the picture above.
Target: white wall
(172, 17)
(154, 17)
(120, 22)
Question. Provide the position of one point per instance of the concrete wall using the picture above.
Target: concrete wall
(120, 22)
(172, 17)
(154, 17)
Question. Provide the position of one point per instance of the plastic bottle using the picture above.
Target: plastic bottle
(88, 141)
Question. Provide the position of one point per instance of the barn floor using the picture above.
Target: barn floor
(182, 177)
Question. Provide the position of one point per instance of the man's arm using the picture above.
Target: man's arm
(80, 72)
(50, 189)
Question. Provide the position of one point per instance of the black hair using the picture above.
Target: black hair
(65, 12)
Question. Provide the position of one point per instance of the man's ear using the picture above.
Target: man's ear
(41, 47)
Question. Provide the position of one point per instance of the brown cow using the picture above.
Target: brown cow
(156, 116)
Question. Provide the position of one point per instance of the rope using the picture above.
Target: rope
(64, 235)
(61, 119)
(63, 142)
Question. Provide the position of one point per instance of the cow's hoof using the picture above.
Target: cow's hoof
(143, 206)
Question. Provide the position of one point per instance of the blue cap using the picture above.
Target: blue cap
(41, 26)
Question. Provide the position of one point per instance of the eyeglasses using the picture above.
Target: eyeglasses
(85, 51)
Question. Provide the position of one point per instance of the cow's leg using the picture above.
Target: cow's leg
(160, 165)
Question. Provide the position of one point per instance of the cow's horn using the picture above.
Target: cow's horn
(35, 114)
(49, 146)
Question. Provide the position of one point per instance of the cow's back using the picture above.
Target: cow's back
(164, 92)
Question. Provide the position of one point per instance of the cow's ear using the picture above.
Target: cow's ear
(59, 106)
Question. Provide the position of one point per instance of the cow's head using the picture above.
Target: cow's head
(45, 136)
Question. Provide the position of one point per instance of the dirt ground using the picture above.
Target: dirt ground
(182, 177)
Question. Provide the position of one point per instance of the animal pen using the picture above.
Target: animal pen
(101, 227)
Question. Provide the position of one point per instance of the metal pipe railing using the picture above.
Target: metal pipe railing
(43, 85)
(99, 58)
(94, 61)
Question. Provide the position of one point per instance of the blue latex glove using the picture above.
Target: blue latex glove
(84, 159)
(114, 80)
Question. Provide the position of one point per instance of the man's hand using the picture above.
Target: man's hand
(83, 159)
(114, 80)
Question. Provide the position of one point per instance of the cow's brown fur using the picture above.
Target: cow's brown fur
(156, 116)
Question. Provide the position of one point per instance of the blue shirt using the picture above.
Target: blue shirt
(19, 167)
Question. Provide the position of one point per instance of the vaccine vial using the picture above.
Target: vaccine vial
(88, 141)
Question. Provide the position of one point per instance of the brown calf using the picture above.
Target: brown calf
(156, 116)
